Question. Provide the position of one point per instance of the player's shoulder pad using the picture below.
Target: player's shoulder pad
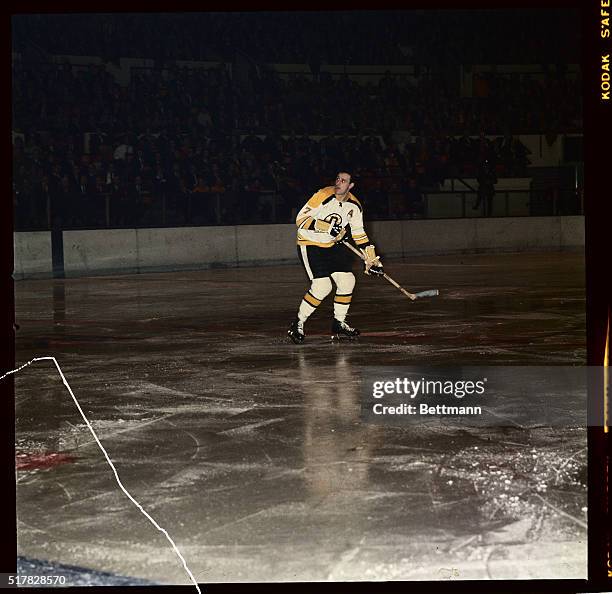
(321, 196)
(354, 200)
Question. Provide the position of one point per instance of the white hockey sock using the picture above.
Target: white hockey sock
(319, 289)
(340, 310)
(345, 283)
(305, 311)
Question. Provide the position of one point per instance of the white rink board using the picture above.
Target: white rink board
(140, 250)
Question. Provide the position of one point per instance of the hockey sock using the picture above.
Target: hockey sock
(345, 283)
(319, 289)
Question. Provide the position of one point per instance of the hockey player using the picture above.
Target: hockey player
(322, 224)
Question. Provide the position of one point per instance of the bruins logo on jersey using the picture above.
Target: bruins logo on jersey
(333, 219)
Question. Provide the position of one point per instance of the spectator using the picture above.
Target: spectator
(486, 187)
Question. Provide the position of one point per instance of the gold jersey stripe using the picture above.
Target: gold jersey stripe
(306, 223)
(320, 196)
(322, 245)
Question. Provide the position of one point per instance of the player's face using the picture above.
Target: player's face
(343, 184)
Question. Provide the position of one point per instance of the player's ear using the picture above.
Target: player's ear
(351, 185)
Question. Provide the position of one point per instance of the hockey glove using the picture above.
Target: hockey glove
(376, 271)
(334, 229)
(372, 262)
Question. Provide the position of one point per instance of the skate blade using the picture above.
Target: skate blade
(338, 337)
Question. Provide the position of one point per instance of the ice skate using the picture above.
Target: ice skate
(296, 331)
(341, 330)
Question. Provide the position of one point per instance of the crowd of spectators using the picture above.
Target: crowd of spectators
(425, 106)
(59, 97)
(84, 100)
(334, 37)
(207, 178)
(185, 144)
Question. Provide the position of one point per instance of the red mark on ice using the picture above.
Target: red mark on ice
(25, 461)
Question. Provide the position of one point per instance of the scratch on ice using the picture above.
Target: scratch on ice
(129, 496)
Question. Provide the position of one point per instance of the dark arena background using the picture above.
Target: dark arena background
(159, 162)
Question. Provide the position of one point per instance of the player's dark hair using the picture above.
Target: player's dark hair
(350, 172)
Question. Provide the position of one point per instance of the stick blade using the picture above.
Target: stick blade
(430, 293)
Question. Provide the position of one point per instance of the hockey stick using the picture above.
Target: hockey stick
(412, 296)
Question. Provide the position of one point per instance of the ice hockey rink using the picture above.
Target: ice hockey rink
(250, 450)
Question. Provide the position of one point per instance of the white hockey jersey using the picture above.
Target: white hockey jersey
(324, 206)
